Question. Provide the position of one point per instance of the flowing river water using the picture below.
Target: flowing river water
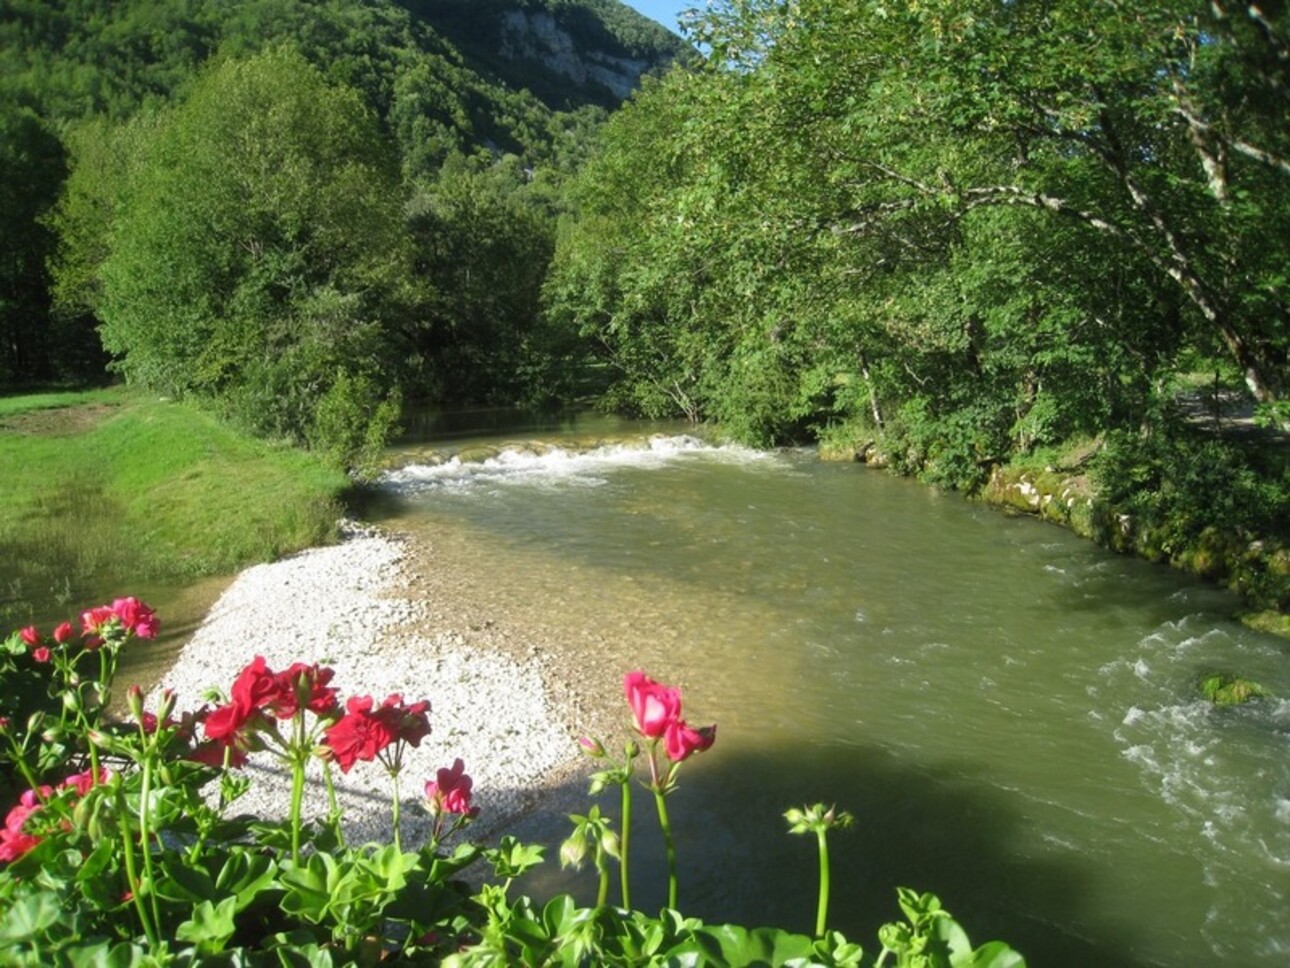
(1010, 713)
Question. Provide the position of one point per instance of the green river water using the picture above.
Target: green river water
(1010, 712)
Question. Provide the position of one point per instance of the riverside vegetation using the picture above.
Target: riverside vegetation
(123, 849)
(114, 484)
(959, 235)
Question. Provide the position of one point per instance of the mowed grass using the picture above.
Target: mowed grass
(114, 483)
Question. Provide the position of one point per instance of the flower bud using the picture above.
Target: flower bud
(53, 735)
(609, 844)
(168, 699)
(631, 749)
(63, 632)
(134, 702)
(573, 851)
(591, 746)
(72, 700)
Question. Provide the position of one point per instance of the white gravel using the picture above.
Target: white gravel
(349, 607)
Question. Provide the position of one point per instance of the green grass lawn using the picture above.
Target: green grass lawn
(115, 483)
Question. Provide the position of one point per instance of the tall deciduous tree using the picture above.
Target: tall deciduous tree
(976, 227)
(1161, 129)
(258, 252)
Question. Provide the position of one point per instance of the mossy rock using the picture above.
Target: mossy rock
(477, 454)
(1227, 690)
(1270, 621)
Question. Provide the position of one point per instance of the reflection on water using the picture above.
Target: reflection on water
(1010, 712)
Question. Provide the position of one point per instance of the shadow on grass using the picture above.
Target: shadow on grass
(916, 827)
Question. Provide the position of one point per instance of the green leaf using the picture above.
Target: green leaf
(107, 955)
(97, 876)
(29, 917)
(244, 875)
(180, 881)
(210, 927)
(992, 954)
(558, 915)
(310, 887)
(732, 944)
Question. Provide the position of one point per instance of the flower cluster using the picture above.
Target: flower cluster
(656, 710)
(260, 695)
(367, 731)
(15, 837)
(124, 617)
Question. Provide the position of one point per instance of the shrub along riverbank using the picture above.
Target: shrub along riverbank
(110, 484)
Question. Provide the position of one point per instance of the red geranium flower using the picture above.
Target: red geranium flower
(307, 682)
(360, 734)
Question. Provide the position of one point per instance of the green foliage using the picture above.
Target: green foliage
(170, 490)
(255, 254)
(130, 861)
(1178, 485)
(31, 167)
(967, 230)
(484, 234)
(257, 244)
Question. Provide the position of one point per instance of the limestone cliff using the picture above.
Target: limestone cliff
(567, 52)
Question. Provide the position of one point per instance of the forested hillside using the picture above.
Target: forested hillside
(298, 210)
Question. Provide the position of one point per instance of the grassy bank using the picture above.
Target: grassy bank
(113, 484)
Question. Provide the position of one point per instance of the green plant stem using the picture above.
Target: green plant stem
(822, 908)
(132, 878)
(602, 892)
(94, 760)
(660, 801)
(626, 843)
(394, 783)
(297, 798)
(333, 805)
(19, 760)
(145, 835)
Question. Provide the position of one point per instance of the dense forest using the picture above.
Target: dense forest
(943, 235)
(298, 211)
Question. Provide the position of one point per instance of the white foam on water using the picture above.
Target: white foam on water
(554, 465)
(1210, 765)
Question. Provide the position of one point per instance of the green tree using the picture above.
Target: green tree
(968, 228)
(258, 250)
(484, 242)
(31, 165)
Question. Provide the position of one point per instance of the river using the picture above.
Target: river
(1010, 713)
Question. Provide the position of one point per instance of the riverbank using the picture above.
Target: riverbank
(1206, 503)
(109, 489)
(373, 609)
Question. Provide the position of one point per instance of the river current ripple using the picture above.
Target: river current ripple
(1011, 713)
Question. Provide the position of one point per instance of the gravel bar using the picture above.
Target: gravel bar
(355, 607)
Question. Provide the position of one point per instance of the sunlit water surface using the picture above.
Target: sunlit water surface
(1011, 713)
